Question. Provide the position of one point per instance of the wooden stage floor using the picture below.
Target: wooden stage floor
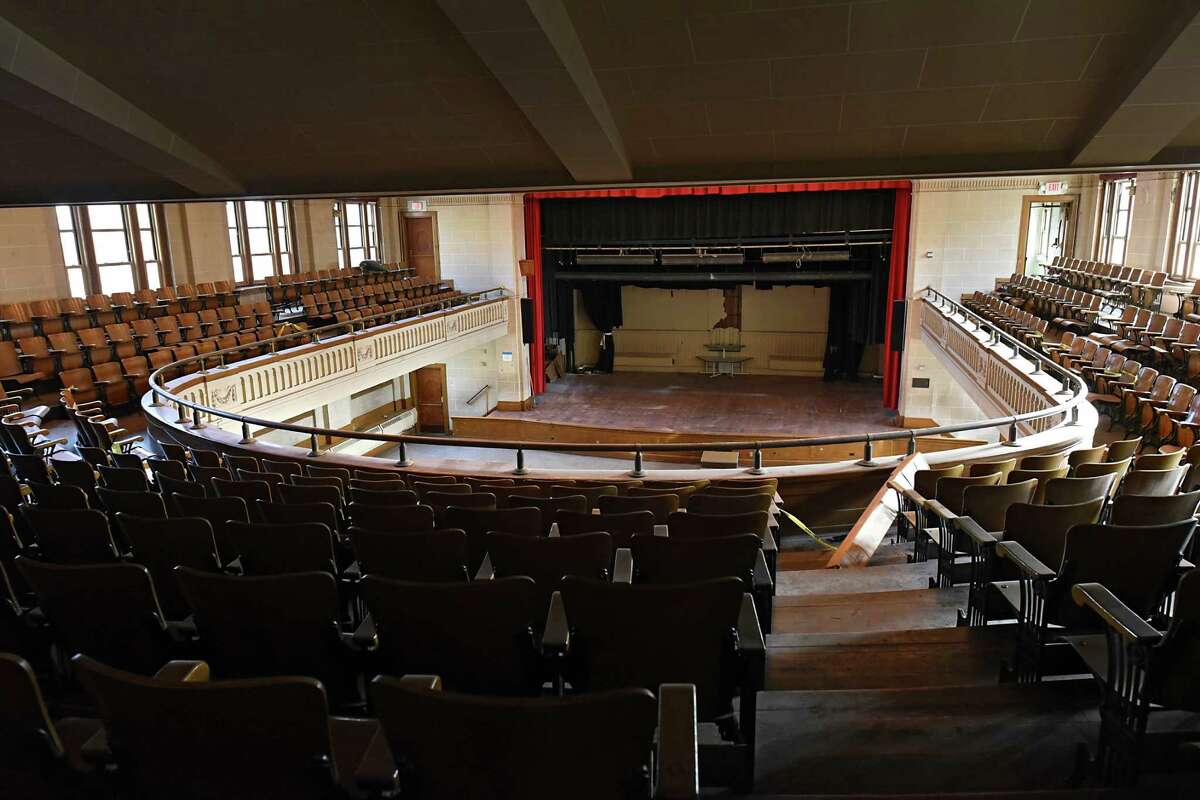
(745, 404)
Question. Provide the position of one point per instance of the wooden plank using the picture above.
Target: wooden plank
(868, 611)
(877, 518)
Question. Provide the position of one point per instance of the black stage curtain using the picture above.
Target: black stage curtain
(602, 302)
(729, 219)
(857, 316)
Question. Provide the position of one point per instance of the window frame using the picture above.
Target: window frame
(85, 247)
(370, 223)
(1185, 226)
(243, 237)
(1108, 210)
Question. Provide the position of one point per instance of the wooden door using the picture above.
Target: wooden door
(420, 243)
(429, 394)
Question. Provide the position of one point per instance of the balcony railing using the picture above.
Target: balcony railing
(1042, 394)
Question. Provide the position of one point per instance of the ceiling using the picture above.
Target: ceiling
(178, 99)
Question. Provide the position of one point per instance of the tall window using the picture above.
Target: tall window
(260, 237)
(113, 247)
(356, 224)
(1116, 211)
(1185, 243)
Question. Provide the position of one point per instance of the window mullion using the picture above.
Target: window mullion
(134, 239)
(91, 272)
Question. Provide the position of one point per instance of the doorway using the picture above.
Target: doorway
(1047, 232)
(420, 244)
(429, 397)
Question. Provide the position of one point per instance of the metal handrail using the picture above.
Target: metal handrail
(1073, 389)
(475, 396)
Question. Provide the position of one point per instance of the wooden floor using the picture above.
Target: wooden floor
(745, 404)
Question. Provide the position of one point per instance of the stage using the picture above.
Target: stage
(781, 406)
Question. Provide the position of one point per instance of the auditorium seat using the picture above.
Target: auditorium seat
(661, 506)
(1072, 491)
(162, 736)
(1153, 482)
(221, 513)
(1142, 669)
(391, 519)
(1042, 530)
(77, 536)
(59, 496)
(479, 522)
(478, 636)
(271, 549)
(373, 497)
(627, 636)
(550, 506)
(160, 545)
(108, 611)
(428, 556)
(1136, 563)
(139, 504)
(273, 625)
(40, 756)
(547, 559)
(620, 526)
(451, 741)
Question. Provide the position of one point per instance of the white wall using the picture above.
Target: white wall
(31, 259)
(481, 239)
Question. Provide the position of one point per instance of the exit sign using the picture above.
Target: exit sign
(1053, 187)
(416, 206)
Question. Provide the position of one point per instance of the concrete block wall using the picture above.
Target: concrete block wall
(31, 258)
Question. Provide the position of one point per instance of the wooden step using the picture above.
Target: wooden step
(854, 579)
(913, 741)
(862, 612)
(887, 660)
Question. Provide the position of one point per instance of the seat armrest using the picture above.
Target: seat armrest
(913, 496)
(1115, 614)
(553, 534)
(556, 638)
(678, 763)
(1024, 560)
(750, 635)
(940, 510)
(972, 530)
(623, 566)
(661, 530)
(183, 672)
(364, 635)
(762, 573)
(95, 750)
(486, 572)
(424, 683)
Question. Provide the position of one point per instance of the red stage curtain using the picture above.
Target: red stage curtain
(897, 289)
(533, 285)
(897, 268)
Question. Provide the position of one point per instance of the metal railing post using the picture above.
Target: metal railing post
(912, 443)
(182, 413)
(156, 399)
(196, 423)
(637, 472)
(868, 459)
(520, 470)
(757, 469)
(402, 460)
(246, 437)
(1012, 434)
(314, 449)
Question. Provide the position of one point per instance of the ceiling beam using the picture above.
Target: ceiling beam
(41, 82)
(532, 48)
(1149, 103)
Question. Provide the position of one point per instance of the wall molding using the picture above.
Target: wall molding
(508, 198)
(984, 184)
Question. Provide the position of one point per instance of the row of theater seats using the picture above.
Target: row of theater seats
(383, 297)
(1154, 402)
(1116, 283)
(284, 290)
(45, 317)
(541, 599)
(1088, 558)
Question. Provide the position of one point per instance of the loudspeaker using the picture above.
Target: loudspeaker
(899, 310)
(526, 320)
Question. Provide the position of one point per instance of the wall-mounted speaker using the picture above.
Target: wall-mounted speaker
(526, 320)
(899, 310)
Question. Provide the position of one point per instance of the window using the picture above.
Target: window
(356, 225)
(113, 248)
(1115, 210)
(260, 237)
(1185, 242)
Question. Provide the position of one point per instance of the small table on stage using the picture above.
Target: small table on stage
(724, 360)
